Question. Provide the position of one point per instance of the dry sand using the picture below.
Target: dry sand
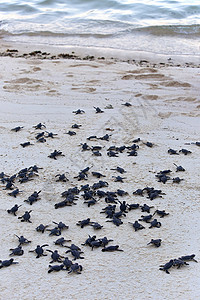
(165, 111)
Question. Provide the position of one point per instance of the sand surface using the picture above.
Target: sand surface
(164, 111)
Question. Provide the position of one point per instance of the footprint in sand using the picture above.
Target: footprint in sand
(174, 83)
(144, 77)
(27, 84)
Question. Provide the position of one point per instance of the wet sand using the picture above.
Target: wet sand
(164, 111)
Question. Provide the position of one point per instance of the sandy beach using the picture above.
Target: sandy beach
(47, 88)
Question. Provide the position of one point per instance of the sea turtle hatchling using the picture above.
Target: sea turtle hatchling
(167, 266)
(17, 251)
(39, 250)
(26, 216)
(137, 226)
(22, 240)
(7, 263)
(75, 268)
(14, 209)
(156, 242)
(55, 268)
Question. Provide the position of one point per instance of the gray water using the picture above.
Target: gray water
(157, 26)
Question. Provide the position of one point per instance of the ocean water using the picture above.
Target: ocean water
(167, 27)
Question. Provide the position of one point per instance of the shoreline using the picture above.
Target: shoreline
(139, 58)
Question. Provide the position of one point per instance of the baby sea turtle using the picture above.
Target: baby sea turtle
(75, 268)
(161, 213)
(74, 247)
(41, 140)
(105, 241)
(7, 263)
(92, 137)
(179, 263)
(153, 194)
(76, 126)
(55, 268)
(162, 178)
(177, 180)
(136, 140)
(123, 206)
(75, 253)
(188, 258)
(95, 244)
(146, 208)
(39, 250)
(18, 128)
(172, 152)
(33, 198)
(155, 223)
(146, 218)
(96, 153)
(78, 111)
(14, 209)
(185, 151)
(156, 242)
(41, 228)
(96, 148)
(119, 178)
(179, 168)
(167, 266)
(138, 192)
(61, 242)
(96, 225)
(119, 214)
(39, 126)
(17, 251)
(99, 185)
(22, 240)
(9, 185)
(26, 216)
(85, 147)
(55, 256)
(110, 199)
(116, 221)
(71, 133)
(111, 249)
(89, 240)
(26, 144)
(84, 223)
(61, 225)
(119, 169)
(15, 193)
(149, 144)
(88, 194)
(90, 202)
(133, 147)
(55, 231)
(111, 153)
(121, 193)
(128, 104)
(98, 110)
(55, 154)
(39, 135)
(137, 226)
(132, 153)
(133, 206)
(67, 263)
(98, 175)
(121, 148)
(50, 134)
(105, 137)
